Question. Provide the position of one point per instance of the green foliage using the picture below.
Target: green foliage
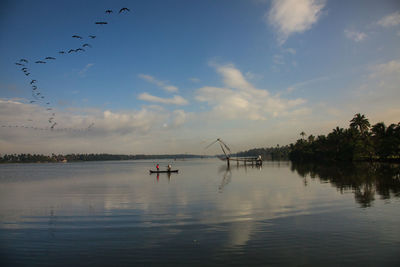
(271, 153)
(357, 143)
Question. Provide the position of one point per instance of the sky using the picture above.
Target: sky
(170, 77)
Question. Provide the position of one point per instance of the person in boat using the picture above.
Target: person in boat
(169, 167)
(158, 167)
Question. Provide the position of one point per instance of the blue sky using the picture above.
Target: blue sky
(171, 76)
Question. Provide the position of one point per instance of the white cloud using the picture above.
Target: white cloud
(82, 73)
(241, 100)
(27, 130)
(161, 84)
(232, 77)
(249, 75)
(390, 68)
(293, 16)
(150, 79)
(195, 80)
(171, 88)
(179, 117)
(205, 94)
(355, 36)
(278, 59)
(290, 51)
(390, 20)
(379, 91)
(74, 120)
(176, 100)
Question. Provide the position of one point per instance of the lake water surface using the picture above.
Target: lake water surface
(116, 213)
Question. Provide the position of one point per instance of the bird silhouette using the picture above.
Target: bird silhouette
(36, 93)
(123, 9)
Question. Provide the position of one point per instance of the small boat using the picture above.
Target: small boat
(151, 171)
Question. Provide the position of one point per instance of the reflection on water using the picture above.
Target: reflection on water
(226, 178)
(225, 172)
(115, 213)
(365, 180)
(167, 175)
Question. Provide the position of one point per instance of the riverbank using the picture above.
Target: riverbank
(39, 158)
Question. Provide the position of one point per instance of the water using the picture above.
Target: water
(116, 213)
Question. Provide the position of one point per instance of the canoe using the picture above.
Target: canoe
(151, 171)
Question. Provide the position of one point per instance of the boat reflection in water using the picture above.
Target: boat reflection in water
(167, 174)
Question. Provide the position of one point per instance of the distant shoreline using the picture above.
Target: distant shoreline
(39, 158)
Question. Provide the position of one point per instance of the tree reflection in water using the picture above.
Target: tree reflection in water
(365, 180)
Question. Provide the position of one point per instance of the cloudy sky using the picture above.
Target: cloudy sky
(172, 76)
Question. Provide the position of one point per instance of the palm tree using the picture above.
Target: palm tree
(338, 131)
(360, 122)
(379, 129)
(302, 135)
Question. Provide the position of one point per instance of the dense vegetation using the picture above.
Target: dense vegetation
(271, 153)
(29, 158)
(359, 142)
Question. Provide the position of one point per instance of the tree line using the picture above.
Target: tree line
(359, 142)
(269, 153)
(36, 158)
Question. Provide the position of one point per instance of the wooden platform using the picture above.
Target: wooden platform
(244, 160)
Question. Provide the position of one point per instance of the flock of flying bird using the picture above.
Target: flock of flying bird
(38, 97)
